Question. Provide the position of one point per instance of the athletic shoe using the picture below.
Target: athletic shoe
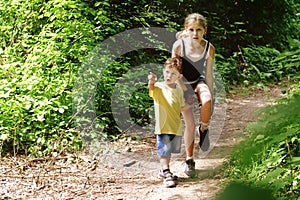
(189, 167)
(204, 142)
(169, 179)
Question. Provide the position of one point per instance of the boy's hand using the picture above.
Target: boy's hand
(152, 77)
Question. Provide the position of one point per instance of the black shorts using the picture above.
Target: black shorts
(191, 86)
(200, 79)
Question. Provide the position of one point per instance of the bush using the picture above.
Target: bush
(271, 155)
(44, 44)
(42, 52)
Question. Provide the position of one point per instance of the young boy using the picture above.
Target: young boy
(168, 102)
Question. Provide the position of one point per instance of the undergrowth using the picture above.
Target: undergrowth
(270, 157)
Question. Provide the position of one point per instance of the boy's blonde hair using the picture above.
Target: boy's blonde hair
(175, 63)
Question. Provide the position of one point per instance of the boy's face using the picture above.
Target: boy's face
(171, 75)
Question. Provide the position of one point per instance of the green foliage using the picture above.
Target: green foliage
(128, 78)
(43, 44)
(289, 61)
(259, 65)
(238, 191)
(42, 51)
(250, 66)
(271, 154)
(237, 24)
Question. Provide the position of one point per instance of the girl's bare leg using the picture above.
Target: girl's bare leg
(189, 131)
(205, 110)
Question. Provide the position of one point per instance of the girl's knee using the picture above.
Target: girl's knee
(203, 91)
(205, 97)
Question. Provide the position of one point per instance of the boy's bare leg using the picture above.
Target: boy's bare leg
(169, 179)
(165, 162)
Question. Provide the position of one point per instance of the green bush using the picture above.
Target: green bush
(255, 65)
(129, 79)
(270, 157)
(259, 65)
(44, 44)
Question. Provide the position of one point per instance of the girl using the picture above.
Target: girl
(197, 67)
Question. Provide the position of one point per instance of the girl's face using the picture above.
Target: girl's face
(171, 75)
(195, 31)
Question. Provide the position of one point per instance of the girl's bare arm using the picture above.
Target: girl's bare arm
(209, 69)
(176, 51)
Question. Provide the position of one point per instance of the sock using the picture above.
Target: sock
(189, 157)
(204, 126)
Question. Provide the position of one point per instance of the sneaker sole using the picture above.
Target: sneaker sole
(171, 184)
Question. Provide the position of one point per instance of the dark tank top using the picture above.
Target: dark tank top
(193, 72)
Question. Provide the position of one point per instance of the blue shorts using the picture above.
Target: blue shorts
(167, 144)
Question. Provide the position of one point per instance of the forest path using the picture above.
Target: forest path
(240, 110)
(132, 173)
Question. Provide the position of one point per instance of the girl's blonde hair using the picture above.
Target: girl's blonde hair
(192, 18)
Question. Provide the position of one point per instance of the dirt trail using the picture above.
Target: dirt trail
(132, 173)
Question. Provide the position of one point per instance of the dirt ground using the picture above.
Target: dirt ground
(128, 170)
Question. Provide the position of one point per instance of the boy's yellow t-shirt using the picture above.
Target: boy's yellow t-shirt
(167, 104)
